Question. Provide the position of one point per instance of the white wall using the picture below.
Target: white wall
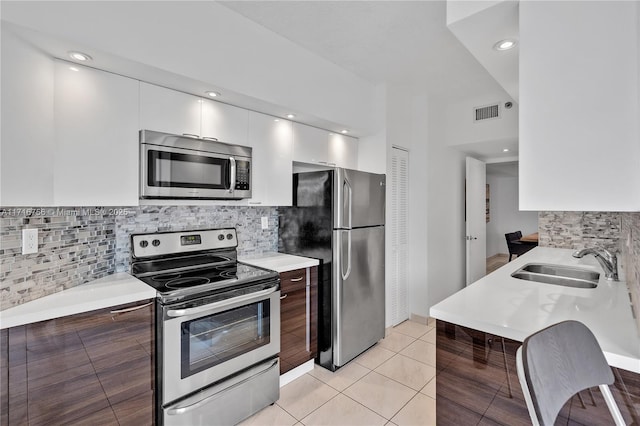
(373, 149)
(419, 291)
(452, 134)
(504, 214)
(27, 123)
(406, 127)
(463, 129)
(445, 211)
(579, 131)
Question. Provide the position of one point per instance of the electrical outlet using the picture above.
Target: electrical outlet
(29, 241)
(265, 222)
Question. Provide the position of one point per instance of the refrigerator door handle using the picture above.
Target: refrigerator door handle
(345, 275)
(348, 191)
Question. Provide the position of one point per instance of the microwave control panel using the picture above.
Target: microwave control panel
(242, 175)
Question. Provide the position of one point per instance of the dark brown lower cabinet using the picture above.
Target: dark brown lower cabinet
(298, 317)
(90, 368)
(471, 386)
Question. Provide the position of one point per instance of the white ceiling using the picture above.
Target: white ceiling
(494, 21)
(393, 42)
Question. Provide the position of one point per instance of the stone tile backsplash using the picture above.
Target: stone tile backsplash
(252, 239)
(630, 251)
(80, 244)
(577, 230)
(75, 245)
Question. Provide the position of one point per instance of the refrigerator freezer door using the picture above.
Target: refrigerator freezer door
(359, 199)
(358, 291)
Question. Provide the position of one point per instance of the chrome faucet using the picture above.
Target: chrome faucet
(607, 260)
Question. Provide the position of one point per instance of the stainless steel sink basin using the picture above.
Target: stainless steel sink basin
(558, 274)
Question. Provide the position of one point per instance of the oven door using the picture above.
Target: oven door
(203, 342)
(168, 172)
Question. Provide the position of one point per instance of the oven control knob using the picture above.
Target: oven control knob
(144, 243)
(155, 243)
(229, 236)
(221, 237)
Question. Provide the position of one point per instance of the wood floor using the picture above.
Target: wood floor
(496, 261)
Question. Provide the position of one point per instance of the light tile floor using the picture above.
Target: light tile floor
(393, 383)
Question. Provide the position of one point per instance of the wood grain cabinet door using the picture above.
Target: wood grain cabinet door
(298, 317)
(89, 368)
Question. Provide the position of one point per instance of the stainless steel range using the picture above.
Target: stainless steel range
(217, 327)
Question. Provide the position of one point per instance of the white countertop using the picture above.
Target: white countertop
(513, 308)
(280, 262)
(113, 290)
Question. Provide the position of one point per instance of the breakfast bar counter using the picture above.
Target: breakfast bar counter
(480, 328)
(513, 308)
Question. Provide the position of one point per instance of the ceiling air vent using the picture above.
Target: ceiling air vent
(487, 112)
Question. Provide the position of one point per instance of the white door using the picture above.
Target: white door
(475, 217)
(398, 286)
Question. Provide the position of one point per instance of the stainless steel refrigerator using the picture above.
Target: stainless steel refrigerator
(338, 217)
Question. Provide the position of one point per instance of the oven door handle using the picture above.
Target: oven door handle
(212, 306)
(208, 399)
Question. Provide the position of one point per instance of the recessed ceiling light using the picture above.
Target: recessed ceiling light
(291, 116)
(344, 132)
(212, 94)
(505, 150)
(74, 69)
(79, 56)
(505, 44)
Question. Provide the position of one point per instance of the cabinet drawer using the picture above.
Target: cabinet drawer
(293, 280)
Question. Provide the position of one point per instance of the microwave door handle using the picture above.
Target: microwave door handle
(232, 185)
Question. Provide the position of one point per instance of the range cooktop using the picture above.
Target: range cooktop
(183, 265)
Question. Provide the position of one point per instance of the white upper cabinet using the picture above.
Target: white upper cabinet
(579, 106)
(318, 146)
(272, 141)
(310, 144)
(26, 142)
(96, 137)
(169, 111)
(343, 151)
(223, 122)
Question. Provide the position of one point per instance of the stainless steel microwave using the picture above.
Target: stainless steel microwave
(182, 167)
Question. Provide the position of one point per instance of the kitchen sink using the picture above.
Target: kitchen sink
(558, 274)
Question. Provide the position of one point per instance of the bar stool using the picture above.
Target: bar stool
(556, 363)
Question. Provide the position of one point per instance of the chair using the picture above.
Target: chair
(556, 363)
(516, 246)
